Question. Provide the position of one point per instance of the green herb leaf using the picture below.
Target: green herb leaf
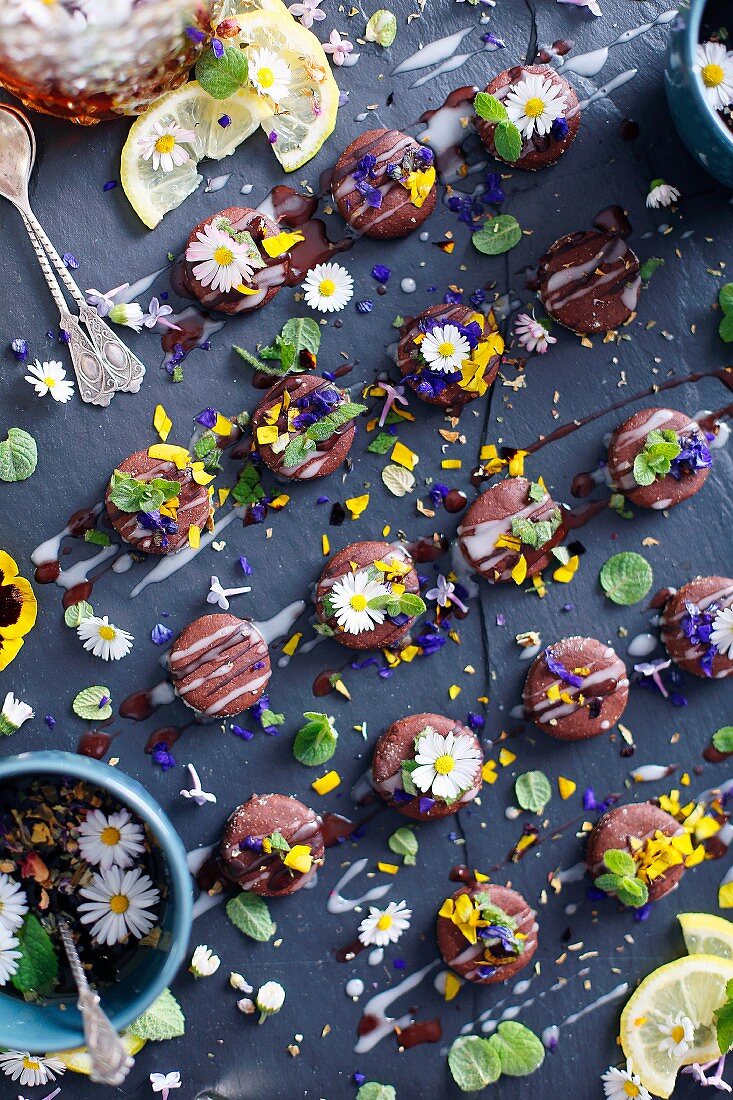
(98, 538)
(297, 451)
(643, 472)
(533, 791)
(619, 862)
(724, 1027)
(519, 1050)
(649, 266)
(725, 298)
(163, 1020)
(302, 333)
(87, 704)
(723, 739)
(408, 767)
(632, 891)
(411, 605)
(536, 533)
(38, 965)
(77, 613)
(372, 1090)
(487, 106)
(207, 451)
(474, 1063)
(342, 414)
(315, 742)
(626, 578)
(536, 492)
(270, 718)
(248, 489)
(382, 443)
(278, 843)
(404, 843)
(132, 495)
(655, 460)
(725, 328)
(249, 913)
(499, 234)
(255, 363)
(608, 883)
(18, 455)
(617, 502)
(222, 76)
(508, 141)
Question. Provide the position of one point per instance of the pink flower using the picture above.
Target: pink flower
(307, 12)
(338, 47)
(531, 334)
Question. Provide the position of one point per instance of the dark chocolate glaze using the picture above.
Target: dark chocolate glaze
(605, 690)
(453, 396)
(540, 150)
(466, 958)
(329, 453)
(259, 817)
(219, 665)
(640, 820)
(589, 281)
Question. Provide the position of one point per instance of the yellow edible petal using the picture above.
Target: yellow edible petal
(179, 456)
(194, 536)
(454, 691)
(299, 858)
(447, 908)
(451, 464)
(199, 475)
(247, 289)
(409, 653)
(420, 184)
(516, 463)
(325, 545)
(162, 422)
(292, 644)
(452, 985)
(267, 433)
(506, 757)
(223, 425)
(388, 868)
(725, 896)
(488, 772)
(403, 455)
(566, 787)
(280, 243)
(327, 782)
(519, 572)
(357, 505)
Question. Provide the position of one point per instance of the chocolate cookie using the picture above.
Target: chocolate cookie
(506, 938)
(241, 231)
(544, 138)
(359, 574)
(397, 757)
(645, 484)
(461, 382)
(163, 529)
(576, 689)
(638, 822)
(266, 840)
(500, 531)
(219, 665)
(697, 627)
(286, 412)
(384, 184)
(589, 281)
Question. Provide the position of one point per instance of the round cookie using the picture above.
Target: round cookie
(589, 281)
(367, 184)
(490, 519)
(538, 150)
(697, 627)
(244, 857)
(572, 670)
(493, 958)
(449, 389)
(341, 582)
(219, 665)
(397, 745)
(268, 273)
(689, 470)
(640, 821)
(309, 399)
(156, 532)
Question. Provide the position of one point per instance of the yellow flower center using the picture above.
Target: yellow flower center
(265, 77)
(384, 922)
(118, 903)
(107, 633)
(166, 143)
(327, 287)
(446, 349)
(223, 256)
(31, 1063)
(50, 381)
(444, 765)
(534, 107)
(630, 1088)
(110, 836)
(712, 75)
(358, 601)
(678, 1033)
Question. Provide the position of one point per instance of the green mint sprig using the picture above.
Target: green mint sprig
(278, 843)
(38, 965)
(536, 533)
(507, 138)
(315, 742)
(622, 880)
(406, 604)
(248, 489)
(294, 350)
(302, 445)
(724, 1020)
(222, 76)
(130, 494)
(403, 842)
(655, 460)
(206, 450)
(249, 913)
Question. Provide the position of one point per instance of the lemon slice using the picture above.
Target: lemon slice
(694, 985)
(706, 934)
(153, 193)
(78, 1060)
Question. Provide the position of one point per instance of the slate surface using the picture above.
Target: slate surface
(79, 445)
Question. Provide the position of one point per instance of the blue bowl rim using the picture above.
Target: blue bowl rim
(133, 795)
(691, 38)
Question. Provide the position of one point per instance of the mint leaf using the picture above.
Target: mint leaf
(608, 883)
(222, 76)
(315, 742)
(643, 472)
(508, 141)
(474, 1063)
(342, 414)
(404, 843)
(536, 533)
(372, 1090)
(632, 891)
(487, 106)
(497, 235)
(648, 268)
(249, 913)
(408, 767)
(270, 718)
(724, 1027)
(533, 791)
(382, 443)
(302, 333)
(619, 862)
(411, 605)
(298, 450)
(626, 578)
(163, 1020)
(133, 495)
(725, 298)
(18, 455)
(725, 328)
(97, 538)
(519, 1050)
(77, 613)
(93, 704)
(248, 489)
(278, 843)
(38, 965)
(723, 739)
(536, 492)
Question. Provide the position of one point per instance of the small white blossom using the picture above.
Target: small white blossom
(157, 314)
(270, 999)
(50, 378)
(237, 982)
(661, 194)
(722, 632)
(678, 1032)
(13, 714)
(127, 313)
(385, 926)
(338, 47)
(204, 962)
(220, 595)
(307, 12)
(104, 640)
(531, 334)
(163, 145)
(30, 1069)
(164, 1082)
(197, 794)
(620, 1084)
(328, 287)
(13, 903)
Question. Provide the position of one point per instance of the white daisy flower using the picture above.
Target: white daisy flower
(678, 1032)
(164, 1082)
(270, 999)
(269, 74)
(9, 956)
(223, 264)
(118, 904)
(722, 632)
(127, 313)
(531, 334)
(444, 349)
(661, 194)
(447, 763)
(622, 1084)
(384, 926)
(50, 378)
(533, 105)
(30, 1069)
(103, 639)
(715, 65)
(349, 597)
(204, 962)
(164, 146)
(13, 903)
(328, 287)
(112, 840)
(13, 714)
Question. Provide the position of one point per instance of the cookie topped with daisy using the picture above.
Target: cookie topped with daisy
(368, 595)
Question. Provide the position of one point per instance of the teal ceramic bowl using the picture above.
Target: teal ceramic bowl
(41, 1028)
(701, 129)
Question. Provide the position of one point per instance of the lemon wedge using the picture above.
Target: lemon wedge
(707, 934)
(694, 985)
(78, 1060)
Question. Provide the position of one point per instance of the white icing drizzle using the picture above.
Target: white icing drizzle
(79, 572)
(550, 1034)
(642, 645)
(197, 857)
(280, 624)
(171, 563)
(51, 548)
(650, 773)
(434, 53)
(337, 903)
(572, 874)
(590, 64)
(204, 902)
(376, 1006)
(307, 647)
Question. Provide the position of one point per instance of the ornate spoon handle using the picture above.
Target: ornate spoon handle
(110, 1061)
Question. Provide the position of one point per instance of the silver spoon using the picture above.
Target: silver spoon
(110, 1061)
